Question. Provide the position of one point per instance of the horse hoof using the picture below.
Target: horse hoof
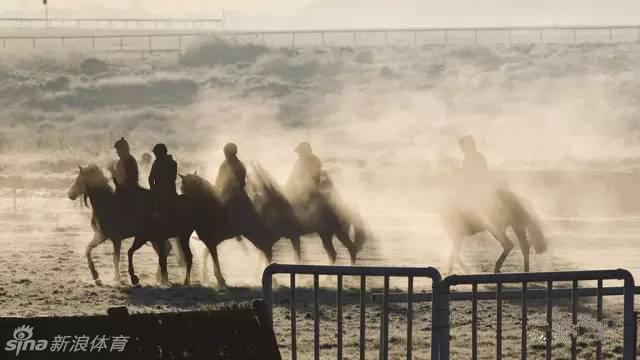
(98, 282)
(134, 280)
(95, 275)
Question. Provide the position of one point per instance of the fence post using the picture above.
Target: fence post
(441, 322)
(630, 328)
(121, 43)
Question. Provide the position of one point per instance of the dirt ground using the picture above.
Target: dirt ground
(44, 272)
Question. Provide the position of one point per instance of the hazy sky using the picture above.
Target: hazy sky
(350, 13)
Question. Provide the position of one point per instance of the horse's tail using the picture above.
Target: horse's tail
(360, 233)
(536, 233)
(527, 215)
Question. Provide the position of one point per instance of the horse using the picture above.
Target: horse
(215, 223)
(94, 186)
(323, 214)
(494, 212)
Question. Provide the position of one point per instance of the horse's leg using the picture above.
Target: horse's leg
(156, 248)
(507, 246)
(117, 245)
(216, 265)
(137, 244)
(205, 266)
(97, 240)
(328, 246)
(187, 256)
(162, 261)
(521, 233)
(345, 239)
(179, 255)
(297, 249)
(455, 257)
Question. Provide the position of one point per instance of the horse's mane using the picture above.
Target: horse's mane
(198, 187)
(268, 188)
(94, 178)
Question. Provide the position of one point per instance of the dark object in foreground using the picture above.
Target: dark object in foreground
(235, 333)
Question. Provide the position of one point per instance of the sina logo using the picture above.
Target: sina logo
(22, 341)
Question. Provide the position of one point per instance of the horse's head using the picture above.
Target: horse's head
(89, 177)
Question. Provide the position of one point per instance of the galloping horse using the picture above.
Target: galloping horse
(497, 211)
(107, 224)
(213, 223)
(285, 219)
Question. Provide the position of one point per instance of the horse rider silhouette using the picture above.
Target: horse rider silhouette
(162, 181)
(304, 181)
(125, 177)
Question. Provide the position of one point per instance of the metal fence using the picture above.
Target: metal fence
(549, 278)
(112, 23)
(178, 41)
(363, 273)
(442, 297)
(444, 35)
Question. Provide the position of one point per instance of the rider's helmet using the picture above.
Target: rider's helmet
(467, 142)
(304, 148)
(230, 149)
(160, 149)
(121, 144)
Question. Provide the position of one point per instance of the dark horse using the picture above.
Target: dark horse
(494, 212)
(323, 214)
(214, 225)
(107, 224)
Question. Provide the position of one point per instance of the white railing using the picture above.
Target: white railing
(112, 23)
(177, 41)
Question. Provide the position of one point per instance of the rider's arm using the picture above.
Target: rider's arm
(152, 176)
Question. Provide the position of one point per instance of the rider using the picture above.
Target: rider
(304, 181)
(232, 175)
(474, 165)
(125, 177)
(162, 179)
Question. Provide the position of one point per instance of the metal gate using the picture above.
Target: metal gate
(629, 333)
(441, 299)
(363, 273)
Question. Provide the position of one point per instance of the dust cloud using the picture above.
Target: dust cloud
(558, 123)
